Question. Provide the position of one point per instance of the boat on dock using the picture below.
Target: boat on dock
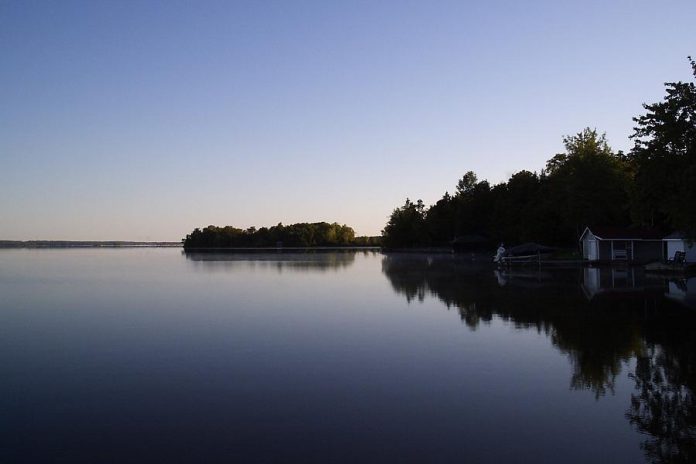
(527, 253)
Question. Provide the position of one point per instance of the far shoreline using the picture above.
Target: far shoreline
(34, 244)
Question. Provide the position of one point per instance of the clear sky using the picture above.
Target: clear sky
(142, 120)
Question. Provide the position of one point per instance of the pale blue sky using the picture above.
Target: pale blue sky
(142, 120)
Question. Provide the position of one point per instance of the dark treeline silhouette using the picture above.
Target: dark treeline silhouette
(589, 184)
(599, 336)
(294, 235)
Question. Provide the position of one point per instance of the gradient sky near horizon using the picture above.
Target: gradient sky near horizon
(126, 120)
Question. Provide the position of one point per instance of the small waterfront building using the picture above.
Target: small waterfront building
(677, 241)
(621, 244)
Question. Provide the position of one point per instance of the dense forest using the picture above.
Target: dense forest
(294, 235)
(654, 185)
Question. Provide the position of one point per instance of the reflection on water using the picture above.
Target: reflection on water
(108, 355)
(311, 261)
(682, 290)
(597, 342)
(621, 283)
(664, 405)
(602, 318)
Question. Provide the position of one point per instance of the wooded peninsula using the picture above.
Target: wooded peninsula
(654, 185)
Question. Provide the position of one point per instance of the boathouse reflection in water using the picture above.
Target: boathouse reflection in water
(601, 318)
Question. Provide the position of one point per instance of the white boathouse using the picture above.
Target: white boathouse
(622, 244)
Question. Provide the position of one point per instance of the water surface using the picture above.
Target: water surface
(152, 355)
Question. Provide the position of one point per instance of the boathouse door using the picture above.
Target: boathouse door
(591, 250)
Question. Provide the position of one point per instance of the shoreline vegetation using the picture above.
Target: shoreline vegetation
(316, 235)
(652, 186)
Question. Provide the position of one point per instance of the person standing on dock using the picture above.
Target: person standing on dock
(499, 254)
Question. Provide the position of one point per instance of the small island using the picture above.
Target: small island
(300, 235)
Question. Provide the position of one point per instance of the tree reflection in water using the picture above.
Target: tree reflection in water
(315, 261)
(664, 406)
(600, 332)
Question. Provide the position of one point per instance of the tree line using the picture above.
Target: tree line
(293, 235)
(654, 185)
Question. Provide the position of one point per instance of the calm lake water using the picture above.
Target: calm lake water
(152, 355)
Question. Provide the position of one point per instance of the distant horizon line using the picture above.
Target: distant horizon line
(85, 243)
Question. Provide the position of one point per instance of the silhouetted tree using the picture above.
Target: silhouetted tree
(664, 156)
(406, 226)
(589, 184)
(441, 220)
